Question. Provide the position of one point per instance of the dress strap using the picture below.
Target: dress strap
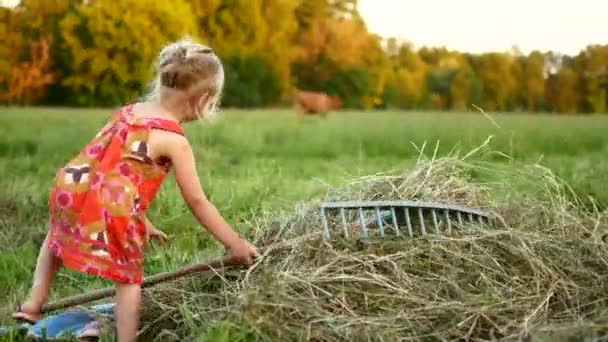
(164, 124)
(152, 123)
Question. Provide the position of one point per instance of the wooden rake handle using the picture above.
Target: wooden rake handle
(208, 267)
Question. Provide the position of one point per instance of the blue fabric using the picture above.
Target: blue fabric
(66, 324)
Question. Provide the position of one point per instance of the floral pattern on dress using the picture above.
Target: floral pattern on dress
(98, 203)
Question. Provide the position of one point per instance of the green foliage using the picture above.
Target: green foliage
(101, 54)
(112, 46)
(251, 81)
(534, 80)
(352, 86)
(264, 28)
(495, 72)
(562, 90)
(405, 88)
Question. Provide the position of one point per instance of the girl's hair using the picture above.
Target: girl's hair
(185, 69)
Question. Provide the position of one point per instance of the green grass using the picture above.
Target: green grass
(256, 161)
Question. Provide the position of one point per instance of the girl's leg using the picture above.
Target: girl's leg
(128, 297)
(46, 267)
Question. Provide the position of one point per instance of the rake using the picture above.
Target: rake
(393, 216)
(387, 217)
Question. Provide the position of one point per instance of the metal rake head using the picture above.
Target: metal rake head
(393, 216)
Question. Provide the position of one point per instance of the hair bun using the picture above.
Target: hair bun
(188, 65)
(176, 55)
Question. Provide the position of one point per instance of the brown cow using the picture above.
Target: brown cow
(310, 103)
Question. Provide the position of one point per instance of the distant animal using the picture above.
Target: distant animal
(311, 103)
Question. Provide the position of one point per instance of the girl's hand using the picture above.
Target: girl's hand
(244, 252)
(157, 235)
(154, 233)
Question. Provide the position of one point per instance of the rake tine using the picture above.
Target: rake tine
(325, 225)
(394, 215)
(447, 219)
(379, 220)
(406, 211)
(471, 217)
(459, 218)
(480, 219)
(344, 225)
(435, 225)
(421, 217)
(362, 221)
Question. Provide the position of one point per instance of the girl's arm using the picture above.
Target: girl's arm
(179, 151)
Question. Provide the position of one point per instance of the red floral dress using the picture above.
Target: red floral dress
(98, 204)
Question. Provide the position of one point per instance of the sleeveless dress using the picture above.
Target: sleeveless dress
(98, 203)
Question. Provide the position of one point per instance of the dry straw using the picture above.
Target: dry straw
(543, 265)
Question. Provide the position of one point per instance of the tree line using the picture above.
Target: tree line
(99, 53)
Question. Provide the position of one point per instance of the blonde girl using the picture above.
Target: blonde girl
(97, 207)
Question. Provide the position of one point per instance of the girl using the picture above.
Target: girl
(97, 207)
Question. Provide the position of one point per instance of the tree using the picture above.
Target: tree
(499, 84)
(534, 80)
(27, 65)
(112, 46)
(567, 90)
(592, 67)
(41, 18)
(251, 81)
(335, 50)
(10, 50)
(246, 29)
(411, 73)
(461, 88)
(28, 79)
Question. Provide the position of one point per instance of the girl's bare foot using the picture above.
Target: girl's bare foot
(27, 313)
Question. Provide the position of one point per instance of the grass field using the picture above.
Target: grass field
(252, 162)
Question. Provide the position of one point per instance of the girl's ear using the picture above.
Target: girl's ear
(196, 100)
(199, 104)
(204, 99)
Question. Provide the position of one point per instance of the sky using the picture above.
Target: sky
(9, 3)
(476, 26)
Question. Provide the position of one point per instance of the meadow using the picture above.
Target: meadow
(259, 161)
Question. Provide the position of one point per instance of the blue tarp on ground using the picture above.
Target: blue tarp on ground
(73, 323)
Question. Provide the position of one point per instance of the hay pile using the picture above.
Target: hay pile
(542, 264)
